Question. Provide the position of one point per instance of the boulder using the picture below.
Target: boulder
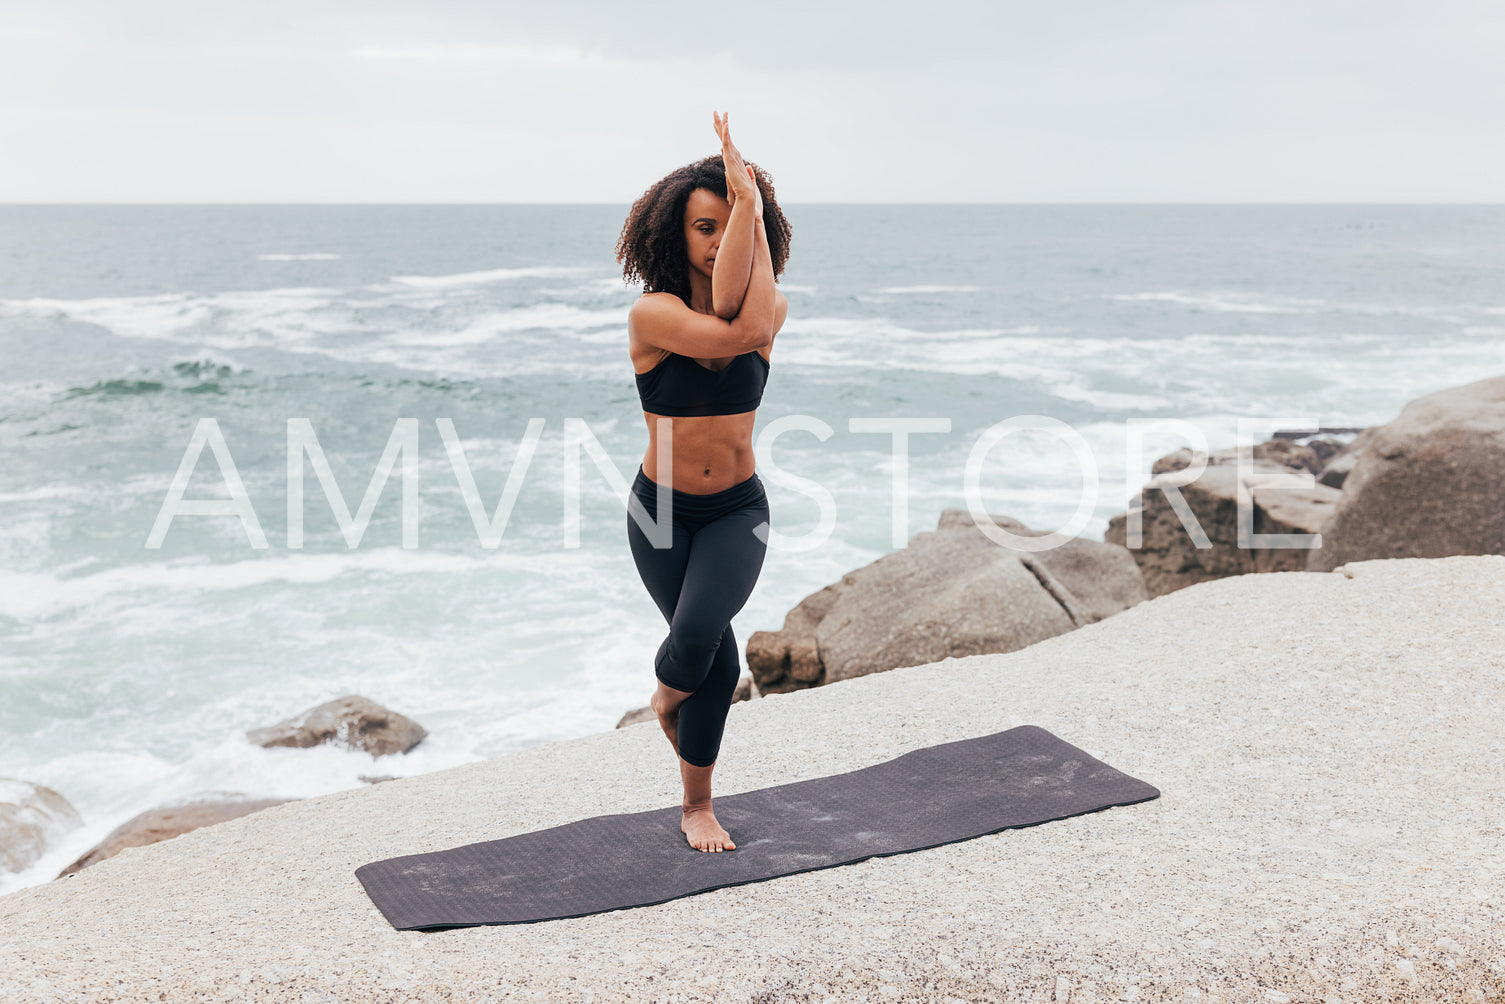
(1280, 452)
(1325, 449)
(788, 659)
(1336, 469)
(32, 819)
(1284, 495)
(949, 593)
(351, 721)
(1100, 578)
(1427, 484)
(168, 821)
(744, 692)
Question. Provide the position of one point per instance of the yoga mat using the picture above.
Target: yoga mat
(924, 798)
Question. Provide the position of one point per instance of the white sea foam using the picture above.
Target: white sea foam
(595, 287)
(306, 256)
(1230, 302)
(37, 595)
(490, 275)
(552, 316)
(1234, 301)
(897, 290)
(53, 491)
(320, 321)
(228, 320)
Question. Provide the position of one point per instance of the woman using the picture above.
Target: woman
(707, 242)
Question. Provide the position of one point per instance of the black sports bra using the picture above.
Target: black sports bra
(680, 387)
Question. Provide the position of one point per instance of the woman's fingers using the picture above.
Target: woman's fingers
(739, 176)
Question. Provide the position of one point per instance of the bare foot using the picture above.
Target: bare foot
(667, 720)
(703, 832)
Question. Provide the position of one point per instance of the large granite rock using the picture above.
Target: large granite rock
(32, 818)
(1100, 578)
(168, 821)
(351, 721)
(1335, 469)
(1285, 498)
(1429, 484)
(949, 592)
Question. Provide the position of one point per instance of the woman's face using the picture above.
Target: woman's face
(706, 216)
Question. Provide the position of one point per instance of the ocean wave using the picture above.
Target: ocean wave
(866, 328)
(198, 373)
(387, 320)
(1229, 302)
(1238, 302)
(306, 256)
(230, 320)
(52, 491)
(549, 316)
(899, 290)
(27, 596)
(490, 275)
(117, 387)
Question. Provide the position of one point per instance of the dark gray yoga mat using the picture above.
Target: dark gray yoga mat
(924, 798)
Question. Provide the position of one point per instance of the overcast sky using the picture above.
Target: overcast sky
(931, 101)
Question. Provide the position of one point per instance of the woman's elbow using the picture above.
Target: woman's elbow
(727, 311)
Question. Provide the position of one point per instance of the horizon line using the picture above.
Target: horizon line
(628, 202)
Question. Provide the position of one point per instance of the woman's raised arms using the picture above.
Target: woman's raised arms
(663, 320)
(735, 254)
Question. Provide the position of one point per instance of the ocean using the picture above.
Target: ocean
(129, 673)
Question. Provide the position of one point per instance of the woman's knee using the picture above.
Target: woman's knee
(687, 658)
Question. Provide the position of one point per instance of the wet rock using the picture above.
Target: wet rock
(1336, 469)
(1285, 498)
(168, 821)
(351, 721)
(949, 593)
(1427, 484)
(33, 818)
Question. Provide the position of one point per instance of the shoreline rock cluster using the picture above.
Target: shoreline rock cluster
(949, 593)
(35, 818)
(1189, 528)
(1426, 484)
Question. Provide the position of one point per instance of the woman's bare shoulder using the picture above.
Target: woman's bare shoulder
(645, 355)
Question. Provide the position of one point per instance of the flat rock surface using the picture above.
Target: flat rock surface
(1330, 829)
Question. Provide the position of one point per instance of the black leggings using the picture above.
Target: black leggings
(699, 580)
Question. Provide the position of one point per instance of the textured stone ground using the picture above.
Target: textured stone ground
(1328, 746)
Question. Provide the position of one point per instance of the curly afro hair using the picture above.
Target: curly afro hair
(652, 245)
